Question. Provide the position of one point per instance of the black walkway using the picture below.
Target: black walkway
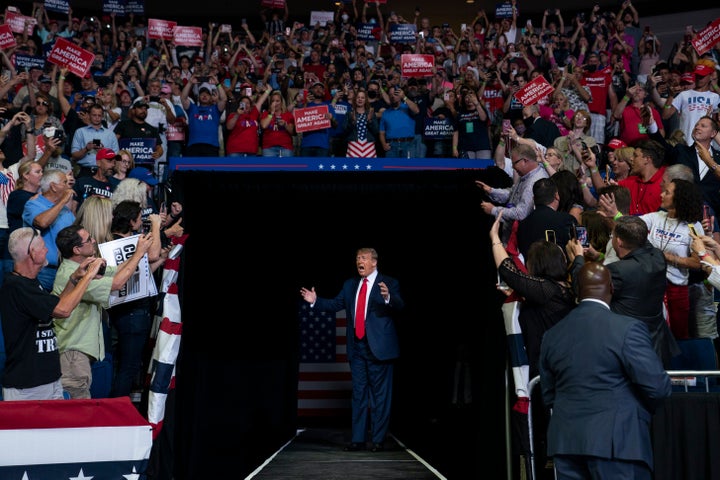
(318, 454)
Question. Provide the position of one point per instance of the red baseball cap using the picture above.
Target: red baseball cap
(106, 154)
(687, 78)
(702, 70)
(616, 143)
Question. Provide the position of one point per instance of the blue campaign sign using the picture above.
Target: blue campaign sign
(26, 62)
(141, 149)
(403, 33)
(438, 128)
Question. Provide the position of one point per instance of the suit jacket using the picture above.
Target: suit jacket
(602, 379)
(379, 323)
(532, 227)
(543, 132)
(639, 282)
(710, 184)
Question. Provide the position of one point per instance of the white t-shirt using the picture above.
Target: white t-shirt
(672, 236)
(691, 106)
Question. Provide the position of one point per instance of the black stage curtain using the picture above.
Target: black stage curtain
(255, 238)
(686, 437)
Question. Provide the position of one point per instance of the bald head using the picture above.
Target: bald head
(594, 281)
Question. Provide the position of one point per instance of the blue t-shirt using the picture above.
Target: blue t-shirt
(203, 123)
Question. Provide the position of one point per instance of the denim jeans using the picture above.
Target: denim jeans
(277, 152)
(133, 330)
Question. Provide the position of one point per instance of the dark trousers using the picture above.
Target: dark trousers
(372, 382)
(133, 330)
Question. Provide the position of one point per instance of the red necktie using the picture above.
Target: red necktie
(360, 311)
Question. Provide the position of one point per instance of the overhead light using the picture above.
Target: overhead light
(469, 1)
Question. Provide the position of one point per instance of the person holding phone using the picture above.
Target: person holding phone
(547, 297)
(87, 141)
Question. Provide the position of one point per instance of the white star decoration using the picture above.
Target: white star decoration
(132, 476)
(355, 167)
(81, 476)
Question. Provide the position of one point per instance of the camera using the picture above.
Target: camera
(203, 79)
(154, 98)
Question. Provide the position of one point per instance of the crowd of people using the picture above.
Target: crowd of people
(624, 146)
(235, 95)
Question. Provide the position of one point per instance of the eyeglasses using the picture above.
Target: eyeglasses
(44, 104)
(122, 160)
(90, 239)
(35, 234)
(518, 161)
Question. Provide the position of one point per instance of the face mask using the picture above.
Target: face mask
(372, 94)
(345, 17)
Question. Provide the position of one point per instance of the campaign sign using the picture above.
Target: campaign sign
(503, 10)
(26, 62)
(535, 90)
(17, 20)
(403, 33)
(141, 283)
(321, 18)
(311, 118)
(135, 6)
(7, 39)
(188, 36)
(141, 149)
(365, 31)
(416, 65)
(67, 54)
(114, 6)
(707, 37)
(161, 29)
(60, 6)
(438, 128)
(277, 4)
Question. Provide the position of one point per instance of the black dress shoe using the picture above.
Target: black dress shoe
(377, 447)
(354, 447)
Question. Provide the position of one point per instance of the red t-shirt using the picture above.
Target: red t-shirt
(598, 82)
(243, 138)
(644, 196)
(275, 135)
(631, 127)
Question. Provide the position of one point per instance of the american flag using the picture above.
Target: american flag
(324, 386)
(167, 333)
(73, 439)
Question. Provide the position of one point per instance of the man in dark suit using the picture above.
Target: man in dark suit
(370, 301)
(602, 379)
(537, 128)
(639, 281)
(545, 218)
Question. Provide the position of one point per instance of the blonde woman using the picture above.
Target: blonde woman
(278, 128)
(111, 111)
(95, 216)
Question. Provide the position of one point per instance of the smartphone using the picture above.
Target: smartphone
(248, 91)
(507, 124)
(582, 235)
(463, 27)
(550, 236)
(691, 227)
(706, 211)
(501, 285)
(287, 31)
(421, 34)
(96, 143)
(647, 30)
(138, 45)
